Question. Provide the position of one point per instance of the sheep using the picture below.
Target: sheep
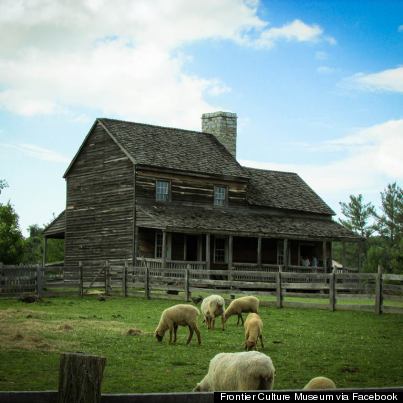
(211, 307)
(178, 315)
(239, 305)
(249, 370)
(320, 382)
(253, 331)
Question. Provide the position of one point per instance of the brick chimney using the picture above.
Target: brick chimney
(223, 126)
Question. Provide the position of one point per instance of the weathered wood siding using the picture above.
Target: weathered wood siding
(99, 211)
(189, 190)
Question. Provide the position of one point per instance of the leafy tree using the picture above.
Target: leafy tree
(11, 239)
(33, 245)
(3, 184)
(358, 215)
(390, 222)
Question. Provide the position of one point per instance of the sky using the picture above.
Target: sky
(317, 86)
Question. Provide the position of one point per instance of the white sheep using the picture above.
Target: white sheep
(250, 370)
(239, 305)
(320, 382)
(178, 315)
(211, 307)
(253, 331)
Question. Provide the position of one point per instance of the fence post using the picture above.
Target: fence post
(187, 286)
(107, 278)
(39, 281)
(332, 290)
(80, 378)
(378, 292)
(279, 291)
(147, 282)
(124, 279)
(81, 285)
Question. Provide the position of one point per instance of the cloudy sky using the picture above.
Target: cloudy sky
(317, 86)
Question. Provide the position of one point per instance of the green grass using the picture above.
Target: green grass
(355, 349)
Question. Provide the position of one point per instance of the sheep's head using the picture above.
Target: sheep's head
(159, 336)
(250, 345)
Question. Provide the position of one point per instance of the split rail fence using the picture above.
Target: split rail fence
(376, 292)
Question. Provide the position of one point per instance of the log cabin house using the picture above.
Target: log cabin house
(177, 198)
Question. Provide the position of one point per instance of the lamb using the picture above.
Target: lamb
(211, 307)
(253, 331)
(178, 315)
(250, 370)
(239, 305)
(320, 382)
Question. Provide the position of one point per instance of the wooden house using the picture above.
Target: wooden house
(179, 198)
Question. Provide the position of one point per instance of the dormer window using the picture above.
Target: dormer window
(220, 196)
(162, 191)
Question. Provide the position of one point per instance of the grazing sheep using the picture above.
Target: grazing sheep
(253, 331)
(250, 370)
(239, 305)
(178, 315)
(211, 307)
(320, 382)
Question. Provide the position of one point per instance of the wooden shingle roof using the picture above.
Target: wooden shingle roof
(249, 222)
(283, 190)
(172, 148)
(57, 227)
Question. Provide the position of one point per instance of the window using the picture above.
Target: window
(158, 245)
(219, 250)
(220, 196)
(161, 191)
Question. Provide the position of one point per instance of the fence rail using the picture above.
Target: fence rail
(121, 277)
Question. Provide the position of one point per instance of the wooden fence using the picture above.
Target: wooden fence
(322, 290)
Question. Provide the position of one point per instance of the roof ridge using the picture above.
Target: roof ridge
(270, 170)
(149, 125)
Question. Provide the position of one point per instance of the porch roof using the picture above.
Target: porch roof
(245, 222)
(57, 227)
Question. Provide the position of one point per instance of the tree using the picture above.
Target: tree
(390, 222)
(3, 184)
(11, 239)
(33, 245)
(358, 216)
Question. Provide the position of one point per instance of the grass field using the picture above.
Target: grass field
(355, 349)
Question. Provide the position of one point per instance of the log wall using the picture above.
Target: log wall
(99, 208)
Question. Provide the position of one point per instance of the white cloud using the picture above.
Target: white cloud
(37, 152)
(296, 30)
(400, 28)
(321, 55)
(372, 159)
(122, 57)
(386, 80)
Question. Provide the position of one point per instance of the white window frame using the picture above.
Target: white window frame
(220, 201)
(162, 197)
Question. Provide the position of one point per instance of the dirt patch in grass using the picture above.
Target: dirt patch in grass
(134, 332)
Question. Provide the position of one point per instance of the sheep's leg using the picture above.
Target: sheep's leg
(222, 322)
(190, 334)
(175, 330)
(197, 334)
(261, 340)
(212, 322)
(240, 317)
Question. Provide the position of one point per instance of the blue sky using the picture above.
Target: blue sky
(317, 86)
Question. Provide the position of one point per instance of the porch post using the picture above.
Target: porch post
(324, 254)
(200, 248)
(230, 248)
(164, 249)
(331, 255)
(208, 262)
(285, 253)
(45, 251)
(343, 254)
(259, 252)
(136, 246)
